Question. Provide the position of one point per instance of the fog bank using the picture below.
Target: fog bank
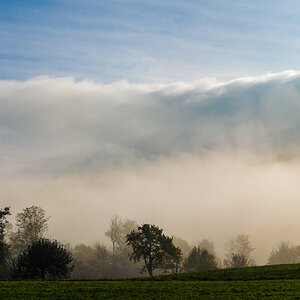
(201, 159)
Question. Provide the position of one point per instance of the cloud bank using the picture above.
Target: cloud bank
(58, 125)
(201, 159)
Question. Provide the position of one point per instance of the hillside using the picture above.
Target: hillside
(274, 272)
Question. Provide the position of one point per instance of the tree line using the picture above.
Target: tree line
(26, 253)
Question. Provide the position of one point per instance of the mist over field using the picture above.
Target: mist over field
(203, 159)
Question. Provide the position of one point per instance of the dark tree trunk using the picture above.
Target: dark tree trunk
(113, 259)
(150, 269)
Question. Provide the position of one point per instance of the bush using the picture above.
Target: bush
(43, 259)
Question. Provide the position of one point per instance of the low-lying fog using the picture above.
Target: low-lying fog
(201, 160)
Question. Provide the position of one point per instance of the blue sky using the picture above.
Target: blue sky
(147, 41)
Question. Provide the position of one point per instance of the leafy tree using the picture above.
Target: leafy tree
(115, 234)
(285, 253)
(208, 245)
(31, 225)
(182, 244)
(125, 267)
(200, 260)
(3, 213)
(150, 245)
(121, 265)
(127, 226)
(85, 262)
(104, 261)
(99, 262)
(238, 252)
(96, 262)
(4, 249)
(172, 261)
(43, 259)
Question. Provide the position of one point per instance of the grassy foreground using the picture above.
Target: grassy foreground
(280, 289)
(279, 282)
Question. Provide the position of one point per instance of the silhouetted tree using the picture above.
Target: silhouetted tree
(31, 225)
(3, 213)
(151, 245)
(172, 262)
(285, 253)
(238, 252)
(4, 249)
(43, 259)
(200, 260)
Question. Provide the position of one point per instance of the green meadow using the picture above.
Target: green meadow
(281, 282)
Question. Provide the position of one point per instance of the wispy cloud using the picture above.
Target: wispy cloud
(147, 41)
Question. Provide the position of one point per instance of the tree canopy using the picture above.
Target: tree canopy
(3, 213)
(238, 252)
(200, 259)
(3, 245)
(31, 225)
(284, 253)
(152, 246)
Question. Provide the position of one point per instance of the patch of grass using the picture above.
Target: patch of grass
(278, 282)
(287, 289)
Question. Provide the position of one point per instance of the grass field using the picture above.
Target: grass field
(281, 282)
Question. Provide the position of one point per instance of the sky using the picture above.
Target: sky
(147, 41)
(184, 114)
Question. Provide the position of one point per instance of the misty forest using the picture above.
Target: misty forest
(133, 250)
